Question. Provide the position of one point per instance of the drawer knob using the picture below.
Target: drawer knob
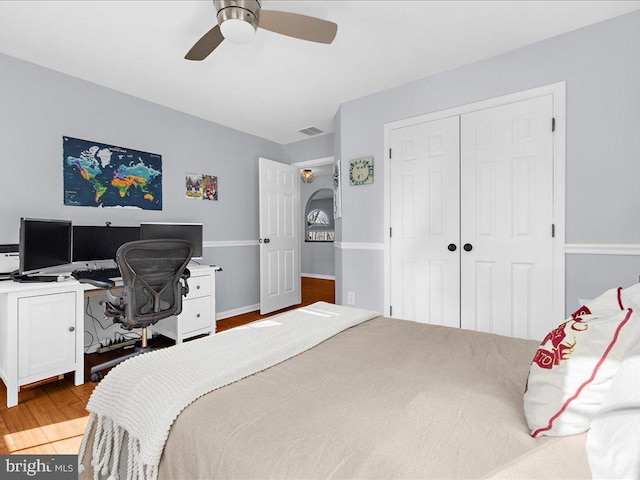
(71, 329)
(197, 315)
(197, 287)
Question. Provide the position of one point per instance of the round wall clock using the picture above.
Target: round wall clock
(361, 171)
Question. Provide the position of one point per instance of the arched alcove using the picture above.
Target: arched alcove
(318, 217)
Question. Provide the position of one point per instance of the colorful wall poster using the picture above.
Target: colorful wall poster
(209, 187)
(99, 175)
(200, 186)
(193, 187)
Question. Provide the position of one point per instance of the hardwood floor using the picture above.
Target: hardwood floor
(313, 290)
(51, 418)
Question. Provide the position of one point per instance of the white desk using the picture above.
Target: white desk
(42, 327)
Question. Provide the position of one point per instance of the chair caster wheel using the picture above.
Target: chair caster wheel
(96, 377)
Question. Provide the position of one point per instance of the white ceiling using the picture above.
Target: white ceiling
(277, 85)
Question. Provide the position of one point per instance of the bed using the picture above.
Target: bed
(384, 398)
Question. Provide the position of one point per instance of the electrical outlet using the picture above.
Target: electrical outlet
(351, 298)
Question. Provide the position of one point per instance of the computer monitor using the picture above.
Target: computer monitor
(44, 243)
(93, 243)
(182, 231)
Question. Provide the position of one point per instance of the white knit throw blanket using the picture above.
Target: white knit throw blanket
(144, 395)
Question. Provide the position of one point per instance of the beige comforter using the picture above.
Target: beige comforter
(385, 399)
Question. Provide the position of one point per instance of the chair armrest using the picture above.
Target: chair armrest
(98, 283)
(185, 287)
(107, 284)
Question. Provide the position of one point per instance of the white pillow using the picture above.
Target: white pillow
(613, 443)
(609, 303)
(572, 370)
(631, 297)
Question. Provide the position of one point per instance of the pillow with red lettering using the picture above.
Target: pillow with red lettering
(572, 370)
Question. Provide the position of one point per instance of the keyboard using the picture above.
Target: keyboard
(97, 273)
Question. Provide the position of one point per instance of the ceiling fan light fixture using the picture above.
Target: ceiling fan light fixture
(237, 31)
(238, 21)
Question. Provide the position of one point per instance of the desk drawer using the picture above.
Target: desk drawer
(196, 314)
(199, 287)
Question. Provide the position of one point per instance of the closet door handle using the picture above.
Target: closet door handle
(468, 247)
(452, 247)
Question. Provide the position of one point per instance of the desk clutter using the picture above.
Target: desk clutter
(9, 260)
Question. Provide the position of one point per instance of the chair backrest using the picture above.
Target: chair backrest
(151, 271)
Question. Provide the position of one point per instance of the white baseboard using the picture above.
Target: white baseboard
(237, 311)
(321, 277)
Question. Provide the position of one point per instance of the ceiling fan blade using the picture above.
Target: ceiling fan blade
(298, 26)
(206, 44)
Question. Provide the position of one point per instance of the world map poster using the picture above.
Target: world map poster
(98, 175)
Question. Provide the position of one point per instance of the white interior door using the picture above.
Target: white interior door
(279, 236)
(506, 219)
(424, 212)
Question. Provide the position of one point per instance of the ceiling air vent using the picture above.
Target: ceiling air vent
(311, 131)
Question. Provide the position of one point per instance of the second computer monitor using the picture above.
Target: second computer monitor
(92, 243)
(191, 232)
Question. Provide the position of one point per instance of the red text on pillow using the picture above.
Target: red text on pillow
(558, 346)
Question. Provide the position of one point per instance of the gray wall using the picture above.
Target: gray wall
(39, 106)
(601, 66)
(318, 258)
(311, 148)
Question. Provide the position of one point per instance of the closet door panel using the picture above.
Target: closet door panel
(425, 206)
(506, 217)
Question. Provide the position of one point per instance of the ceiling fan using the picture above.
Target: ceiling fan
(238, 20)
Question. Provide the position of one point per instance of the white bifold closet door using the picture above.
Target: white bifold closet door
(506, 216)
(425, 212)
(471, 216)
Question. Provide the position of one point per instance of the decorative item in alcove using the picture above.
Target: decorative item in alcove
(321, 236)
(200, 186)
(361, 171)
(337, 192)
(317, 217)
(100, 175)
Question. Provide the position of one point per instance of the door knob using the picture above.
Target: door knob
(71, 329)
(452, 247)
(468, 247)
(266, 240)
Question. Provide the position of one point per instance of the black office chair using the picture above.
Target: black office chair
(154, 279)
